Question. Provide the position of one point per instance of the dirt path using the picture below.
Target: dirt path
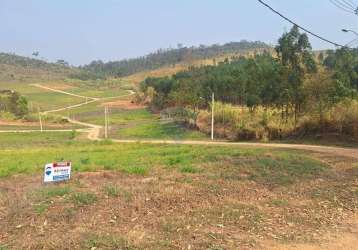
(63, 92)
(338, 151)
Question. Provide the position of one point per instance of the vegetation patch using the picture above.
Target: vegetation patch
(278, 169)
(95, 241)
(81, 199)
(190, 170)
(137, 170)
(279, 202)
(112, 190)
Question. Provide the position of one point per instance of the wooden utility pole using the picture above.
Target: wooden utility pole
(212, 116)
(105, 122)
(40, 119)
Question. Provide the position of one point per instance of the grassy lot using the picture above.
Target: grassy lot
(141, 158)
(169, 196)
(44, 99)
(24, 141)
(99, 92)
(133, 124)
(159, 130)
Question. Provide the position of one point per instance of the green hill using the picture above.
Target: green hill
(170, 57)
(19, 68)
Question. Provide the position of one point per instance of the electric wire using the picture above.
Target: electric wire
(299, 26)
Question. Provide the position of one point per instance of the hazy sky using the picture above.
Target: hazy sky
(80, 31)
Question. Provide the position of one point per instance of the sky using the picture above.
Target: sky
(80, 31)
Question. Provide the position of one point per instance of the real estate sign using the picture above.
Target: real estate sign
(57, 171)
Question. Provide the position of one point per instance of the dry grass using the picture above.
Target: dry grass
(171, 70)
(219, 207)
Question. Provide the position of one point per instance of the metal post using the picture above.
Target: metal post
(212, 116)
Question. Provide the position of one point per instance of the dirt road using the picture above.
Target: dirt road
(63, 92)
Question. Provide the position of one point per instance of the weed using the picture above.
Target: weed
(73, 135)
(41, 207)
(85, 161)
(51, 192)
(279, 203)
(189, 170)
(115, 191)
(84, 198)
(3, 247)
(111, 190)
(136, 170)
(106, 242)
(69, 213)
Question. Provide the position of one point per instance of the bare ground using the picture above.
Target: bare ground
(216, 209)
(124, 104)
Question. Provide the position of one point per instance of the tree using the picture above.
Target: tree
(344, 64)
(295, 53)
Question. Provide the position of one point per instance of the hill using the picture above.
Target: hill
(170, 57)
(20, 68)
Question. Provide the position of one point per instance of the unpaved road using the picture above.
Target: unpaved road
(94, 133)
(63, 92)
(338, 151)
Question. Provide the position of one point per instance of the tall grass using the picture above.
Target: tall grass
(266, 123)
(243, 123)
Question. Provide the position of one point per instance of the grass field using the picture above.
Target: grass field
(90, 156)
(135, 196)
(43, 99)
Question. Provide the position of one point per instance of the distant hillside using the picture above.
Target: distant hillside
(19, 68)
(169, 57)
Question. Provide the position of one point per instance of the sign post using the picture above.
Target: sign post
(57, 172)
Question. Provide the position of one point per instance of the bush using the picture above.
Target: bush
(344, 116)
(7, 116)
(243, 123)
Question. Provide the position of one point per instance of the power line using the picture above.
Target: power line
(342, 6)
(352, 2)
(299, 26)
(352, 42)
(346, 5)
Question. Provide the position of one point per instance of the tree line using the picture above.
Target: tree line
(165, 57)
(294, 80)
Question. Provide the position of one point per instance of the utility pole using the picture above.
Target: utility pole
(212, 116)
(105, 122)
(40, 120)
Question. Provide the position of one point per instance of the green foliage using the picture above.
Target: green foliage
(164, 58)
(159, 130)
(81, 199)
(243, 81)
(189, 170)
(50, 192)
(112, 190)
(11, 101)
(344, 63)
(267, 97)
(137, 170)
